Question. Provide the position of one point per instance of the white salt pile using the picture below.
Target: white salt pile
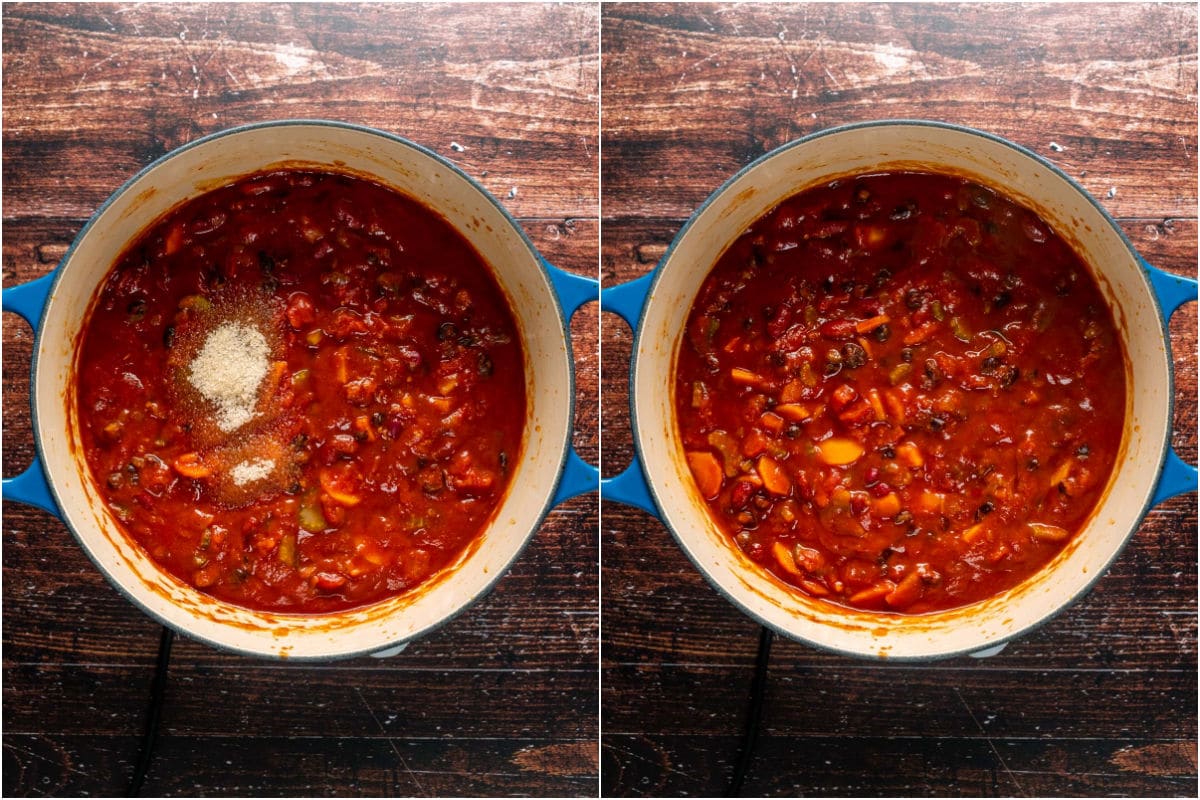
(251, 470)
(228, 371)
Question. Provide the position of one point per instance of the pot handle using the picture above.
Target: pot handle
(578, 476)
(1172, 291)
(30, 487)
(629, 487)
(627, 299)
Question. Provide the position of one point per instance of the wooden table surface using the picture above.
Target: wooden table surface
(1100, 701)
(527, 692)
(504, 699)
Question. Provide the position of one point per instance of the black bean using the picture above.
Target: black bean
(212, 277)
(389, 283)
(853, 355)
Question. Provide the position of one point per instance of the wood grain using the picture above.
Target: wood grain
(733, 82)
(518, 96)
(1100, 700)
(504, 698)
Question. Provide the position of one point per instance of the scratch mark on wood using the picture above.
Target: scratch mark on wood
(97, 65)
(991, 744)
(664, 766)
(391, 741)
(690, 68)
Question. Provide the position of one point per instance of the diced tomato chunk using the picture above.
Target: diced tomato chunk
(300, 311)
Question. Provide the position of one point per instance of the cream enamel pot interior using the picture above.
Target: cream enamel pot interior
(542, 297)
(657, 306)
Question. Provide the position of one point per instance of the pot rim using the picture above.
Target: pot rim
(495, 575)
(640, 331)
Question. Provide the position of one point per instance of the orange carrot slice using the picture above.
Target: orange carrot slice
(707, 472)
(189, 465)
(774, 479)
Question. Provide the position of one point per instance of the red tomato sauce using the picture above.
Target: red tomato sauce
(302, 392)
(901, 392)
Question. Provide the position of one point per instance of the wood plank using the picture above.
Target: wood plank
(667, 765)
(212, 699)
(304, 766)
(807, 700)
(860, 766)
(67, 764)
(1100, 699)
(504, 699)
(871, 766)
(122, 86)
(733, 82)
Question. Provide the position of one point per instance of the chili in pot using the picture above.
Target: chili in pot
(900, 392)
(301, 392)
